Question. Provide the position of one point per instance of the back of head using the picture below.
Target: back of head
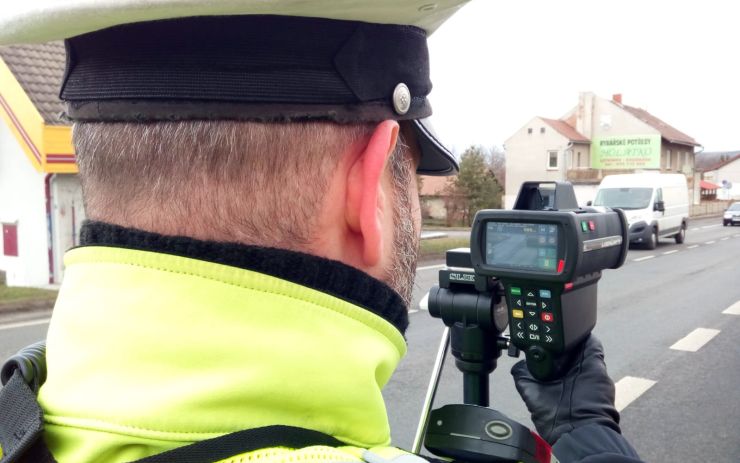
(240, 181)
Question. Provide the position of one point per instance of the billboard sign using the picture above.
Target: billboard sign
(626, 152)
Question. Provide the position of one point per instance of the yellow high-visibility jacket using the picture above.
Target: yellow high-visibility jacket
(149, 351)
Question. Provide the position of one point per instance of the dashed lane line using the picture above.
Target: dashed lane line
(629, 388)
(710, 242)
(694, 341)
(643, 258)
(725, 238)
(11, 326)
(430, 267)
(734, 309)
(694, 229)
(670, 252)
(711, 226)
(693, 246)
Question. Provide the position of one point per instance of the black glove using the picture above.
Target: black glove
(584, 395)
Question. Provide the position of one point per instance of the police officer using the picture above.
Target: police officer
(240, 291)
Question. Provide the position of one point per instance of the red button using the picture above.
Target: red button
(548, 317)
(561, 265)
(591, 225)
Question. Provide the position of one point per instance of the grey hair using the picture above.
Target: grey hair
(250, 182)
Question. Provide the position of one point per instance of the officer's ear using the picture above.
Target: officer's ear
(369, 208)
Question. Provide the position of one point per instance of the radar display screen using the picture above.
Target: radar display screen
(523, 246)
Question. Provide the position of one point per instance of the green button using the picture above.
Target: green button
(584, 226)
(516, 291)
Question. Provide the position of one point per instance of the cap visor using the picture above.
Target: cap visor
(436, 159)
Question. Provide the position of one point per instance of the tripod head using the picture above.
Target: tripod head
(471, 305)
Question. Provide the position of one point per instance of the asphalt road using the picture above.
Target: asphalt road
(678, 405)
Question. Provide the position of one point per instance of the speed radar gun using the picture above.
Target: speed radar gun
(534, 269)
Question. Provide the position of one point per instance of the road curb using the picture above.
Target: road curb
(26, 305)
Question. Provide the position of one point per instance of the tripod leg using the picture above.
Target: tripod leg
(444, 344)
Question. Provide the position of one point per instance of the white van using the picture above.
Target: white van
(656, 205)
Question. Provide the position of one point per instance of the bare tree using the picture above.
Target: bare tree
(475, 188)
(498, 163)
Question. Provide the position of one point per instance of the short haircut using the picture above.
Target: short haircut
(253, 182)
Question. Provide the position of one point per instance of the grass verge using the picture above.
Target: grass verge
(16, 294)
(435, 248)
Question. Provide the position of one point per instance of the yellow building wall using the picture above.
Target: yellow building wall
(48, 147)
(21, 116)
(58, 151)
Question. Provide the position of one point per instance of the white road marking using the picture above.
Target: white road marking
(670, 252)
(695, 340)
(710, 242)
(11, 326)
(725, 238)
(642, 258)
(424, 302)
(734, 309)
(693, 246)
(694, 229)
(432, 235)
(711, 226)
(629, 389)
(413, 311)
(430, 267)
(737, 235)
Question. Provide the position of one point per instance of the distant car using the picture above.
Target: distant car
(732, 215)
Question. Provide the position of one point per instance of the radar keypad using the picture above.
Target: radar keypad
(533, 316)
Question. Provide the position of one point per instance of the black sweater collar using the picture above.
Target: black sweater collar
(327, 276)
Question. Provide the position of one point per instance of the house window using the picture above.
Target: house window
(552, 159)
(579, 159)
(10, 239)
(529, 131)
(542, 130)
(668, 160)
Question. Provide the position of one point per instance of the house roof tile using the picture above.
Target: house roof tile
(39, 69)
(667, 131)
(707, 161)
(566, 130)
(708, 185)
(434, 186)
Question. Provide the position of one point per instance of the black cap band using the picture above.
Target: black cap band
(246, 67)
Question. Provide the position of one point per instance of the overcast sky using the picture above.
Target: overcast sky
(498, 63)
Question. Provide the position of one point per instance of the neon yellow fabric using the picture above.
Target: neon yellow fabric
(318, 453)
(308, 454)
(147, 352)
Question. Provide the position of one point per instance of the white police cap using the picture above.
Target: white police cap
(340, 60)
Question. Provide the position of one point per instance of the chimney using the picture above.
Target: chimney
(584, 113)
(617, 98)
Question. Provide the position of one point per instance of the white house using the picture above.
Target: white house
(40, 196)
(722, 169)
(538, 151)
(596, 138)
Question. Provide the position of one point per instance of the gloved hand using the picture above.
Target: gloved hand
(584, 395)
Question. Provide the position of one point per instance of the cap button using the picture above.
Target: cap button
(401, 98)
